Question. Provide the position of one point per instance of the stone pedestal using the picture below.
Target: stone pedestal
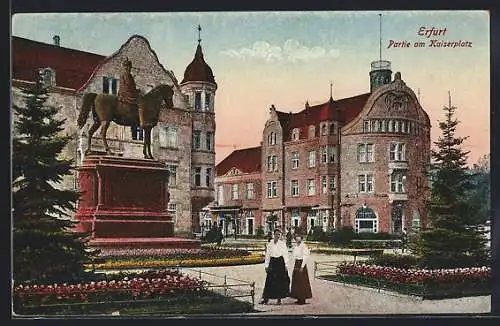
(124, 203)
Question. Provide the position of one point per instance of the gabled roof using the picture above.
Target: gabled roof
(198, 69)
(72, 67)
(343, 110)
(246, 160)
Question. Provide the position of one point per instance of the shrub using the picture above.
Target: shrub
(342, 237)
(316, 234)
(397, 261)
(260, 232)
(372, 244)
(377, 236)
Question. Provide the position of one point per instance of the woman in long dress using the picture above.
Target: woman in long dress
(301, 287)
(277, 284)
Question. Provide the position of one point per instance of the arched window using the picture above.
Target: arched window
(295, 134)
(312, 131)
(366, 220)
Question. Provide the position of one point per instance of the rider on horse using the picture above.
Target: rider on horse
(127, 92)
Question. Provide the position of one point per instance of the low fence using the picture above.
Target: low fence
(223, 284)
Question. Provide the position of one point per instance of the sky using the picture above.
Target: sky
(288, 58)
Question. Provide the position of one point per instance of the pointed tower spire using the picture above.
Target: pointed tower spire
(199, 34)
(419, 95)
(380, 36)
(331, 89)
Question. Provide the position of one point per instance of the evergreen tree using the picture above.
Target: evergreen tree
(479, 195)
(450, 239)
(45, 248)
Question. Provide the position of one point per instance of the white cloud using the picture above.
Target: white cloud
(291, 50)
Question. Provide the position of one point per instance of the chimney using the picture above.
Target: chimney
(57, 40)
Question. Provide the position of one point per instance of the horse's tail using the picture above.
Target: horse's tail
(88, 103)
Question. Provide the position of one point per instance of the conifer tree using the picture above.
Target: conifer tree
(45, 246)
(450, 239)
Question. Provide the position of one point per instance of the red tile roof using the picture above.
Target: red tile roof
(198, 69)
(246, 160)
(343, 110)
(73, 67)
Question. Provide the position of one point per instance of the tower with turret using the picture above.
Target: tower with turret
(199, 86)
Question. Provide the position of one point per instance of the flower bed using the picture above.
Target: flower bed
(148, 285)
(252, 258)
(374, 244)
(152, 292)
(169, 253)
(437, 283)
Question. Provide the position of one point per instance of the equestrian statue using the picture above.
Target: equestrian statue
(129, 108)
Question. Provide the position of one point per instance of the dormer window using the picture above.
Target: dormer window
(295, 134)
(47, 76)
(312, 131)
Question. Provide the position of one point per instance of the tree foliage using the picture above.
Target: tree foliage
(451, 238)
(45, 246)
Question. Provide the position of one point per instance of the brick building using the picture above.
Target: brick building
(356, 161)
(184, 137)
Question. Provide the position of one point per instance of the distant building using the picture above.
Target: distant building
(184, 138)
(356, 161)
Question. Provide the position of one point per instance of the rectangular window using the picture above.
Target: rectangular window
(209, 140)
(369, 183)
(274, 160)
(197, 101)
(220, 195)
(249, 191)
(324, 185)
(197, 177)
(197, 139)
(207, 101)
(312, 159)
(332, 150)
(365, 153)
(172, 209)
(361, 183)
(272, 190)
(365, 183)
(366, 126)
(361, 153)
(332, 183)
(379, 125)
(384, 126)
(311, 187)
(105, 85)
(373, 124)
(294, 188)
(369, 153)
(397, 152)
(172, 177)
(295, 160)
(397, 182)
(234, 191)
(390, 126)
(168, 136)
(324, 154)
(269, 163)
(208, 177)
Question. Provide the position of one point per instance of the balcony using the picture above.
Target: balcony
(397, 197)
(398, 165)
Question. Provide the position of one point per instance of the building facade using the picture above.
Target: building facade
(184, 138)
(356, 161)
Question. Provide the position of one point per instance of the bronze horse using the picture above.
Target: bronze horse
(106, 108)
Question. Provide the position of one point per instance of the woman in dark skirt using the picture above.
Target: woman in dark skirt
(277, 284)
(301, 288)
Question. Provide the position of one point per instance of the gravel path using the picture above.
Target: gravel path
(337, 299)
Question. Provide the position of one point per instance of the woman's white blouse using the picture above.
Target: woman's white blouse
(301, 252)
(276, 250)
